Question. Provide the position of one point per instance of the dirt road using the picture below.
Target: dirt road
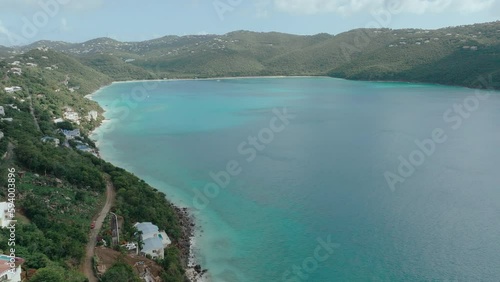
(89, 250)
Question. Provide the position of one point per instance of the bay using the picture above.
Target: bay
(321, 177)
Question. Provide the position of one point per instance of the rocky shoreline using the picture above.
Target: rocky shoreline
(194, 272)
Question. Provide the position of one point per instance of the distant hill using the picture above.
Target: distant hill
(453, 55)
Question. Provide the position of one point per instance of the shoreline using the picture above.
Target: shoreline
(213, 78)
(194, 271)
(89, 96)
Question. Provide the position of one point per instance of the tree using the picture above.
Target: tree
(65, 125)
(52, 274)
(120, 272)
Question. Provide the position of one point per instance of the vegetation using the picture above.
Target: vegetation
(120, 272)
(60, 189)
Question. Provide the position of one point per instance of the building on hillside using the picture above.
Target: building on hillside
(71, 134)
(58, 120)
(92, 115)
(7, 119)
(12, 106)
(1, 135)
(2, 111)
(51, 139)
(5, 215)
(84, 148)
(17, 71)
(10, 271)
(154, 241)
(12, 89)
(72, 116)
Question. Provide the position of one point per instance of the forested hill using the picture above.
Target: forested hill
(453, 55)
(59, 180)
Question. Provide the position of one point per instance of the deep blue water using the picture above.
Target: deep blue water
(320, 177)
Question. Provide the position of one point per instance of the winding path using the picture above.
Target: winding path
(89, 250)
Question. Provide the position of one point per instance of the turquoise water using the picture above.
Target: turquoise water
(320, 177)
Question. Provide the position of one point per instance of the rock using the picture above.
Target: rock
(197, 268)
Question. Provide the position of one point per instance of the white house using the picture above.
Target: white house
(154, 241)
(72, 116)
(1, 135)
(2, 111)
(10, 271)
(17, 71)
(5, 219)
(12, 89)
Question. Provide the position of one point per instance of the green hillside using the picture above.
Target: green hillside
(368, 54)
(60, 188)
(453, 56)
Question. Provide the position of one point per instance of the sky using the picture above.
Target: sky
(26, 21)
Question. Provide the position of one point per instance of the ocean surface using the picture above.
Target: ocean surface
(320, 179)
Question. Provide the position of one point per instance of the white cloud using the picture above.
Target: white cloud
(347, 7)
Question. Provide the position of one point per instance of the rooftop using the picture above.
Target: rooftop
(147, 228)
(5, 265)
(151, 244)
